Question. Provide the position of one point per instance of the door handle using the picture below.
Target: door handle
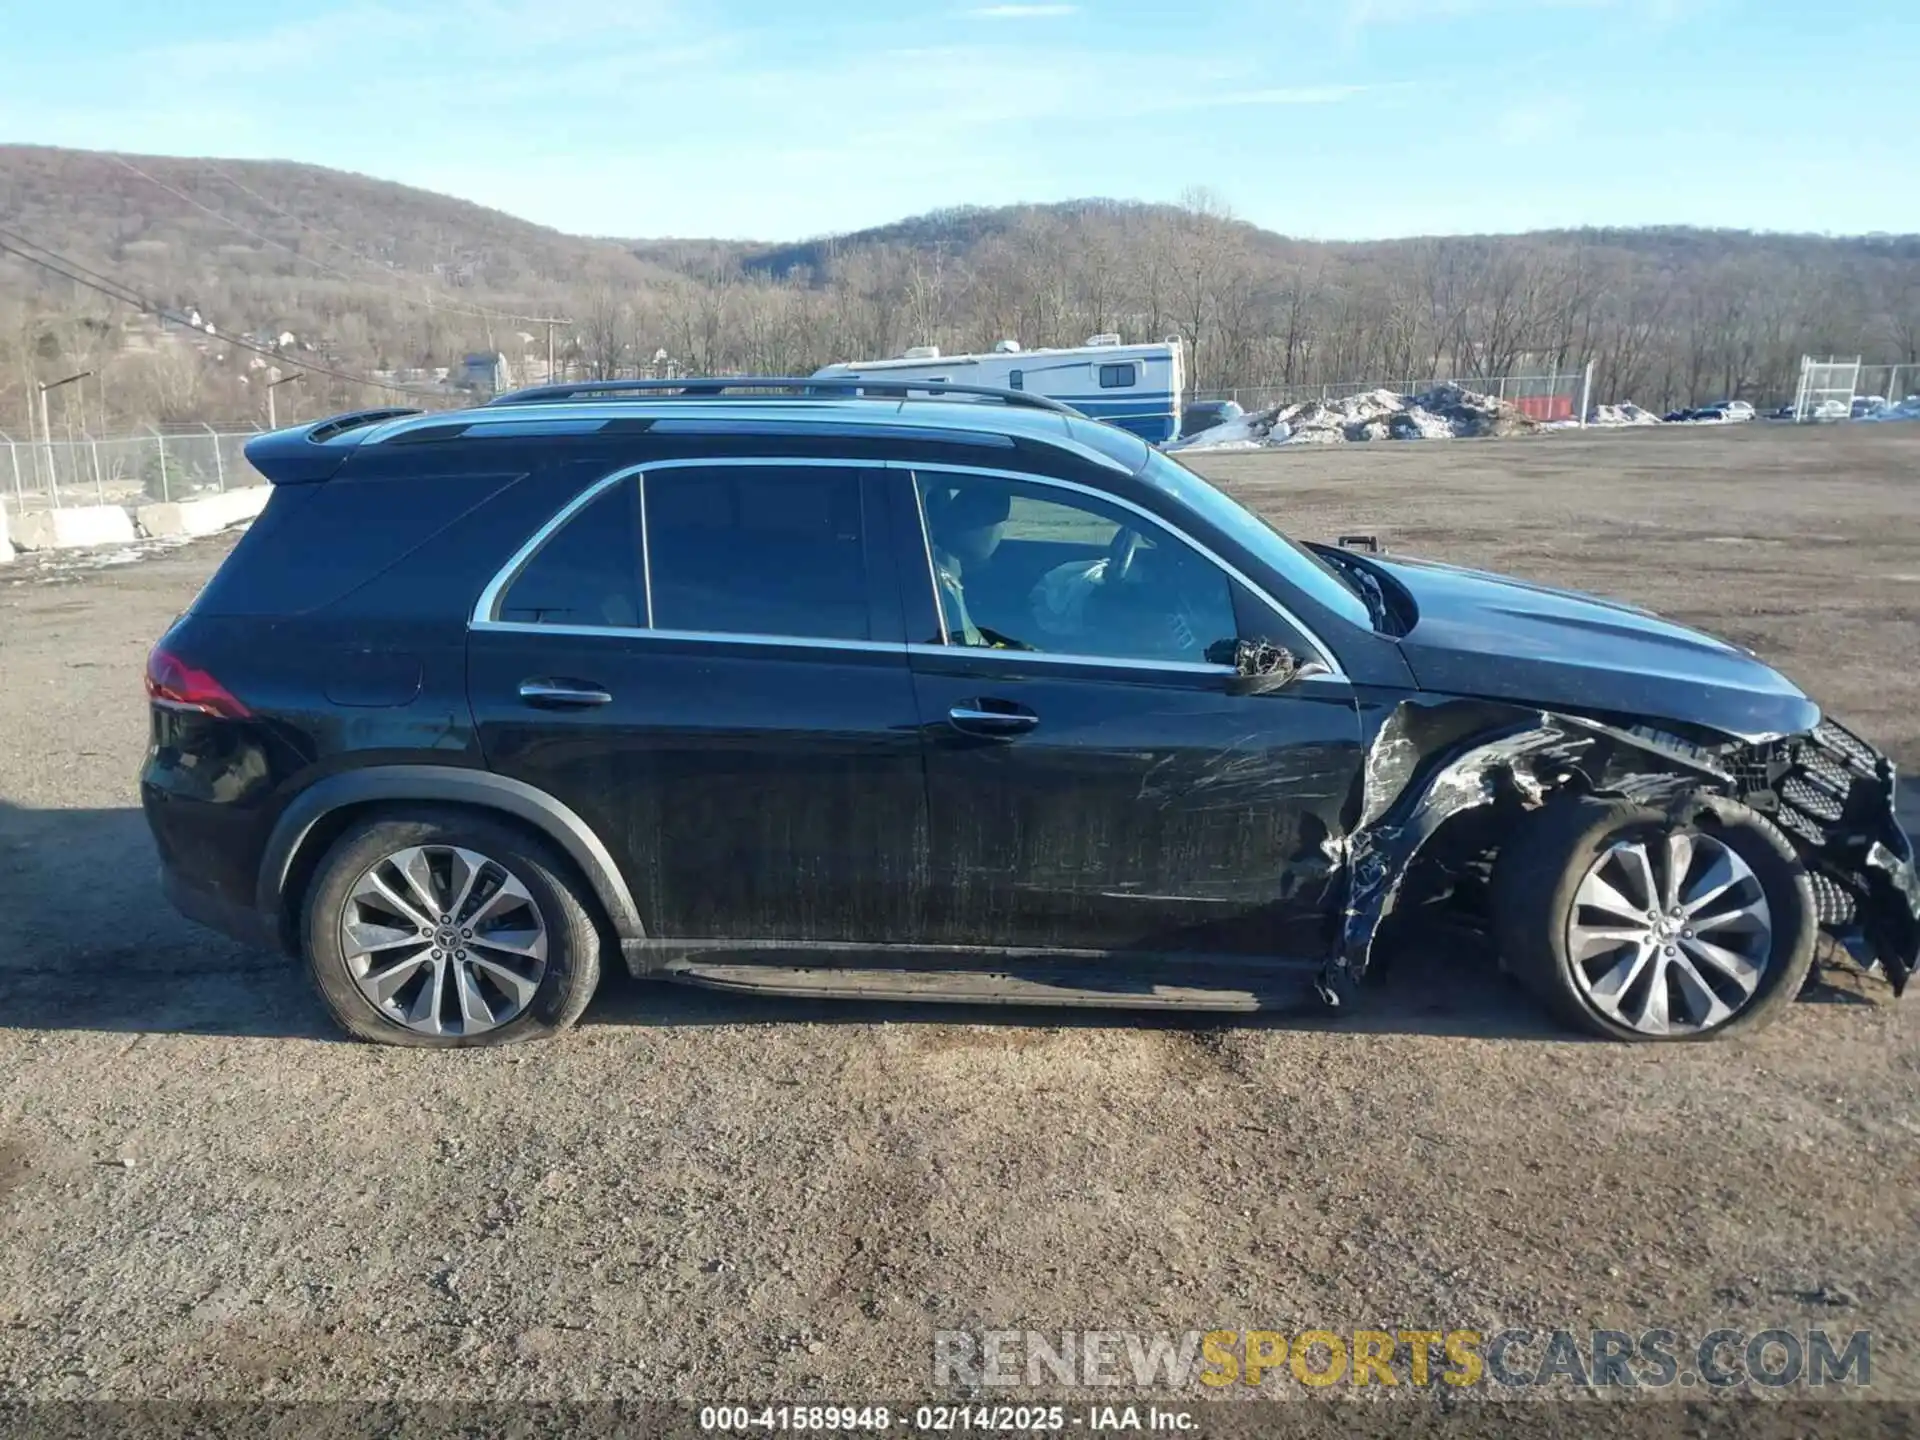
(973, 718)
(562, 694)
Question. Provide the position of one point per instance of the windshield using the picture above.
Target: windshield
(1304, 570)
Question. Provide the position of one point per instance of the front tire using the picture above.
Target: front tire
(444, 929)
(1640, 924)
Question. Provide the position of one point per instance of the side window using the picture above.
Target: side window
(1118, 377)
(589, 570)
(1016, 379)
(1026, 566)
(758, 550)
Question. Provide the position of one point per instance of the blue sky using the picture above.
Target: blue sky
(1341, 119)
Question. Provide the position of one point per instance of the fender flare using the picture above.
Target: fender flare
(448, 785)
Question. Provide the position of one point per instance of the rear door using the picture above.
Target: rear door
(1092, 782)
(705, 661)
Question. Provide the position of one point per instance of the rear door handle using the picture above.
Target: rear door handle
(973, 717)
(562, 694)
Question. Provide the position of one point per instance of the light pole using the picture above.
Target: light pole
(46, 431)
(273, 422)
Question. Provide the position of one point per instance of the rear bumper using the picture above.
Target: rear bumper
(205, 907)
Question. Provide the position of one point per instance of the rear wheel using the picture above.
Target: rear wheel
(1639, 924)
(446, 929)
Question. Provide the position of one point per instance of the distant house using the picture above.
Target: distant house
(488, 373)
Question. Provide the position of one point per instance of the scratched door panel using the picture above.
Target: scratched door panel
(1144, 810)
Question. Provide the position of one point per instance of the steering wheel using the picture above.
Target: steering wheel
(1126, 544)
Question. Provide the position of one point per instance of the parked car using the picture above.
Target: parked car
(1864, 405)
(1788, 411)
(1203, 415)
(798, 691)
(1738, 410)
(1829, 410)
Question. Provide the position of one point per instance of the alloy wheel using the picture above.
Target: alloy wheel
(1670, 935)
(444, 940)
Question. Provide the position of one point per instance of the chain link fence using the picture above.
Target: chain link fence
(161, 463)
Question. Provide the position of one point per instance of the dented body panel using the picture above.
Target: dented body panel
(1433, 758)
(1144, 813)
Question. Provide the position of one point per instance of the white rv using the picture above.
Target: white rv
(1136, 387)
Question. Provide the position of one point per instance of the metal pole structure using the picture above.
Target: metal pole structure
(1586, 393)
(46, 448)
(273, 422)
(219, 465)
(549, 321)
(161, 440)
(13, 453)
(46, 430)
(99, 484)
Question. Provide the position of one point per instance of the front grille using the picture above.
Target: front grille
(1832, 800)
(1833, 905)
(1848, 746)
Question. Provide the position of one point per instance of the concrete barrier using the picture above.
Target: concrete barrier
(205, 516)
(75, 525)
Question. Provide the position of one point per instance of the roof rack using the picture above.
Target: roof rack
(729, 387)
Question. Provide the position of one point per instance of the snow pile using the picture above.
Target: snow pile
(1445, 412)
(1614, 416)
(1907, 409)
(1229, 435)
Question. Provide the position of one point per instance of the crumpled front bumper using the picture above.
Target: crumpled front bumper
(1836, 801)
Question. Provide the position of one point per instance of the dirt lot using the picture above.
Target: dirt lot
(204, 1193)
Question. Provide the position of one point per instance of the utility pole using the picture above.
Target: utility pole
(273, 422)
(549, 321)
(46, 432)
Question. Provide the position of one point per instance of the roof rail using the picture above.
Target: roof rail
(709, 387)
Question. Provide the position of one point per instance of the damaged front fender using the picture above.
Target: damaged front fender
(1434, 759)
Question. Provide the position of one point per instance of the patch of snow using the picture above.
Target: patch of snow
(1446, 412)
(1615, 416)
(52, 567)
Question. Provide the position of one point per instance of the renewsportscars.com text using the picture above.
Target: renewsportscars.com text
(1514, 1358)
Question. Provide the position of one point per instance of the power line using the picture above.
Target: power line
(459, 307)
(78, 274)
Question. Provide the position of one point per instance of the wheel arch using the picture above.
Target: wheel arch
(319, 814)
(1434, 759)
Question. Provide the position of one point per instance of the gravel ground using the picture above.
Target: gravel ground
(205, 1194)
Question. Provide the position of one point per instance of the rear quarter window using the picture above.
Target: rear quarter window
(589, 572)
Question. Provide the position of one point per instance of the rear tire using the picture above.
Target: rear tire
(1727, 941)
(444, 929)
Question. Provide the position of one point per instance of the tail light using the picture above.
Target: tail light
(179, 686)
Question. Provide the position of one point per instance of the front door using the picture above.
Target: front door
(705, 662)
(1092, 783)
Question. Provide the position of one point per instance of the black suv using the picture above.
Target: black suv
(780, 686)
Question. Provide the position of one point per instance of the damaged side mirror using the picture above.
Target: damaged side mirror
(1261, 667)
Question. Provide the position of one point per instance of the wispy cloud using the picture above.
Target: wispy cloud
(1022, 12)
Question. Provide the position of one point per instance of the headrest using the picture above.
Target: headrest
(972, 507)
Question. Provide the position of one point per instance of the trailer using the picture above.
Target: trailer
(1136, 387)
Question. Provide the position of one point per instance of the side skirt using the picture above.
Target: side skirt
(983, 975)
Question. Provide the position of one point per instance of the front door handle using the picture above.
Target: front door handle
(992, 717)
(562, 694)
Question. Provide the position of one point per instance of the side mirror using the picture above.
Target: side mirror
(1260, 667)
